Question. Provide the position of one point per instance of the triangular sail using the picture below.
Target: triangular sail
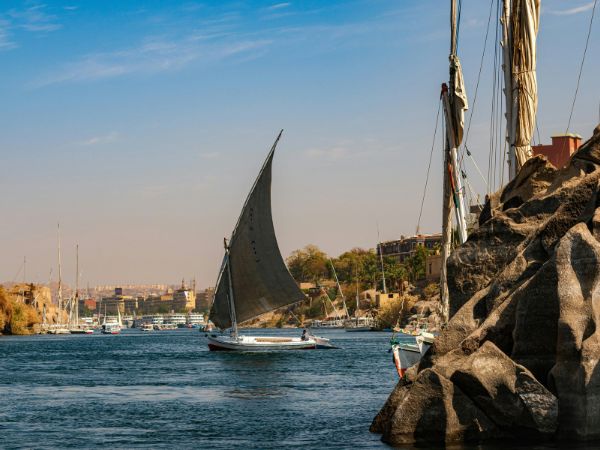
(260, 280)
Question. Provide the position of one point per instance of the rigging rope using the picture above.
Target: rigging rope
(587, 41)
(437, 118)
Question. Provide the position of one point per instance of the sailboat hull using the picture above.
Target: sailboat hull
(265, 343)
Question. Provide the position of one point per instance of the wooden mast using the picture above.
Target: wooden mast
(451, 183)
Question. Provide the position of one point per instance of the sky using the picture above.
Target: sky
(141, 125)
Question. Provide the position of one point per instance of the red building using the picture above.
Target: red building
(561, 149)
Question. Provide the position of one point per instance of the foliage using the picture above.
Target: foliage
(396, 312)
(308, 264)
(15, 316)
(431, 290)
(416, 263)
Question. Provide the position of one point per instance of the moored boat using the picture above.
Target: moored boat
(407, 354)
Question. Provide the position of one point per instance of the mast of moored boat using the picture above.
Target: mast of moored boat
(454, 100)
(339, 289)
(76, 286)
(60, 299)
(357, 311)
(381, 261)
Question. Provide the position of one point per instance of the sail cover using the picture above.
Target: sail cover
(459, 99)
(524, 23)
(260, 279)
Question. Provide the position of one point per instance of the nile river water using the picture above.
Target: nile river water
(165, 389)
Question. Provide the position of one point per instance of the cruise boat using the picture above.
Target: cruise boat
(195, 320)
(254, 279)
(175, 319)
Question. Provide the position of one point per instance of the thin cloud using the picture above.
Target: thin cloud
(572, 11)
(151, 57)
(105, 139)
(279, 6)
(6, 42)
(35, 18)
(329, 154)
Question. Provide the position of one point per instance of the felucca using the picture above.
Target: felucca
(519, 22)
(254, 279)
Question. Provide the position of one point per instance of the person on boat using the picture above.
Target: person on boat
(304, 335)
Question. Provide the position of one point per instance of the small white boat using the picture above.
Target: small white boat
(59, 330)
(407, 354)
(147, 327)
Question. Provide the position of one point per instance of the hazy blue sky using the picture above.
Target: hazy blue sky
(140, 125)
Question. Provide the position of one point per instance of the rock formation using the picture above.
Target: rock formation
(519, 356)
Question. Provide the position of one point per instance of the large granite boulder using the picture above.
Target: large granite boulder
(519, 356)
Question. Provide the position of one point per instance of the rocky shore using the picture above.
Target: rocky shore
(519, 357)
(22, 306)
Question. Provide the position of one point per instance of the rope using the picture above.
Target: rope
(587, 41)
(479, 75)
(437, 119)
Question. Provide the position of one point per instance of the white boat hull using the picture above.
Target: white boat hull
(407, 355)
(356, 329)
(264, 343)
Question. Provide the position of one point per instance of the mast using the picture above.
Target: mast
(339, 289)
(234, 325)
(520, 23)
(455, 102)
(77, 285)
(381, 260)
(357, 311)
(60, 300)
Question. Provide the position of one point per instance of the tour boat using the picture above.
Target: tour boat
(254, 279)
(112, 326)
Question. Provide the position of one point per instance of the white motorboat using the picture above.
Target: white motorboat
(254, 279)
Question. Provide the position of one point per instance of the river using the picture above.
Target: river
(164, 389)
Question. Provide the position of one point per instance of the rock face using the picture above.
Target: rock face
(519, 357)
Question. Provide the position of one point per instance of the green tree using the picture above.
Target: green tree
(308, 264)
(416, 263)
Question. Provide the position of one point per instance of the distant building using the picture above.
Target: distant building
(560, 151)
(204, 299)
(185, 298)
(405, 247)
(382, 300)
(433, 267)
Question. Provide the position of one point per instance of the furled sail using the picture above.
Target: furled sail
(521, 22)
(259, 278)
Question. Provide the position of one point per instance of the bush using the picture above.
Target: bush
(396, 312)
